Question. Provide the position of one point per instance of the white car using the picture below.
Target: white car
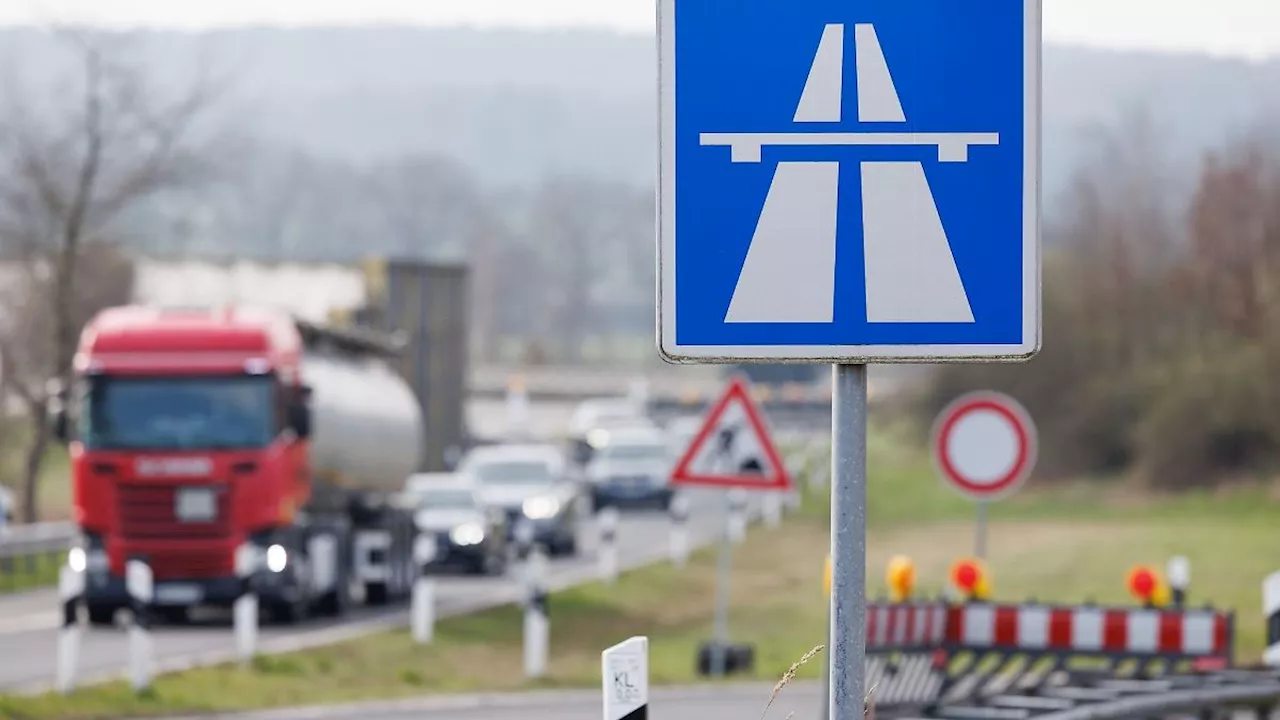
(604, 412)
(530, 482)
(631, 465)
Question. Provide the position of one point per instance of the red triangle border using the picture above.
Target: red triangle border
(780, 480)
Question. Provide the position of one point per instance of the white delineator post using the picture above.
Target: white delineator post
(737, 516)
(608, 552)
(245, 610)
(772, 508)
(537, 626)
(1178, 571)
(1271, 611)
(679, 512)
(140, 585)
(423, 610)
(71, 593)
(624, 672)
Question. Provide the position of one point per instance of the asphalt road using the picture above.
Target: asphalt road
(28, 622)
(725, 702)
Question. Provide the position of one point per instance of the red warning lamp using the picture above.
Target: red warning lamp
(970, 578)
(1147, 587)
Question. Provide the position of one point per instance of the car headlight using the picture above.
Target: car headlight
(541, 508)
(468, 534)
(77, 560)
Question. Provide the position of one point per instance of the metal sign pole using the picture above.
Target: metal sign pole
(980, 532)
(724, 575)
(848, 605)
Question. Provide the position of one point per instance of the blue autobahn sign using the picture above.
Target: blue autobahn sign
(849, 181)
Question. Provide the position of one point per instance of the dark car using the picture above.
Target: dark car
(531, 484)
(469, 535)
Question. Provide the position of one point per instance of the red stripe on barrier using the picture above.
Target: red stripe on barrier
(1006, 630)
(954, 630)
(1221, 634)
(1115, 631)
(1170, 640)
(1060, 628)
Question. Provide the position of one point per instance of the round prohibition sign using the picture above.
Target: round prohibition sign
(984, 445)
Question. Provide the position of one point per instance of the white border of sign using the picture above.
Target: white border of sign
(673, 352)
(1011, 409)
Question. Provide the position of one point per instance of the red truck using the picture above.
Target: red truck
(195, 431)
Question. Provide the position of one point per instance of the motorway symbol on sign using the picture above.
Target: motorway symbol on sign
(625, 672)
(733, 448)
(773, 249)
(984, 445)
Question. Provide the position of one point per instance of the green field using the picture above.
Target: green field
(1067, 544)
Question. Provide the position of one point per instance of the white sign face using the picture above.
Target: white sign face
(984, 445)
(625, 669)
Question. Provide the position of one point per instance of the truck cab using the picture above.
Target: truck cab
(189, 435)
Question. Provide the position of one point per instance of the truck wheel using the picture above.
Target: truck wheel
(102, 615)
(286, 613)
(335, 604)
(173, 615)
(376, 594)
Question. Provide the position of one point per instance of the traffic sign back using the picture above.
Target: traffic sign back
(984, 445)
(733, 448)
(849, 182)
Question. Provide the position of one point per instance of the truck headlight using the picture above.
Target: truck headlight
(277, 558)
(77, 559)
(468, 534)
(541, 508)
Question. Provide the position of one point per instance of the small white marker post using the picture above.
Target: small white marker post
(71, 593)
(140, 585)
(1271, 611)
(608, 552)
(423, 611)
(737, 516)
(537, 625)
(679, 511)
(517, 407)
(245, 610)
(624, 671)
(1179, 573)
(772, 503)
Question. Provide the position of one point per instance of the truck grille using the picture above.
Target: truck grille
(149, 512)
(191, 564)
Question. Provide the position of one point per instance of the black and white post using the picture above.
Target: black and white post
(140, 585)
(537, 626)
(423, 604)
(737, 516)
(1271, 611)
(679, 512)
(71, 594)
(1178, 571)
(608, 550)
(624, 672)
(244, 612)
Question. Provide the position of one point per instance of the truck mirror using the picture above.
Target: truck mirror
(59, 424)
(300, 419)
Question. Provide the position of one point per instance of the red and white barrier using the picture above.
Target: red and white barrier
(906, 626)
(1085, 629)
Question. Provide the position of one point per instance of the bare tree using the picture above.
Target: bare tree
(74, 163)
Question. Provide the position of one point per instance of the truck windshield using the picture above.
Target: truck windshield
(128, 413)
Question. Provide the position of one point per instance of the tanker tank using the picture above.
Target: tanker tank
(367, 425)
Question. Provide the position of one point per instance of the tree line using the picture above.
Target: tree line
(1161, 312)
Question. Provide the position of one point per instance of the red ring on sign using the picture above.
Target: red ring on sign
(1006, 481)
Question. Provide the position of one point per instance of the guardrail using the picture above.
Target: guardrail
(31, 554)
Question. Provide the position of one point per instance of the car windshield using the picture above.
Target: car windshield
(637, 451)
(186, 413)
(451, 499)
(508, 472)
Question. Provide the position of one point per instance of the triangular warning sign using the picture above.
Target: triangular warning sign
(733, 448)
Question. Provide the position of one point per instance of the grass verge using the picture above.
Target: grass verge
(777, 605)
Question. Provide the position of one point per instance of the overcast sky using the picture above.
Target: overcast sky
(1242, 28)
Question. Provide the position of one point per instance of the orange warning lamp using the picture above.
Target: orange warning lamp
(1146, 585)
(826, 577)
(970, 577)
(900, 576)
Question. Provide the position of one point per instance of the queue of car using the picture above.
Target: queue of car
(613, 456)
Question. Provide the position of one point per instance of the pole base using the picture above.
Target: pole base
(739, 658)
